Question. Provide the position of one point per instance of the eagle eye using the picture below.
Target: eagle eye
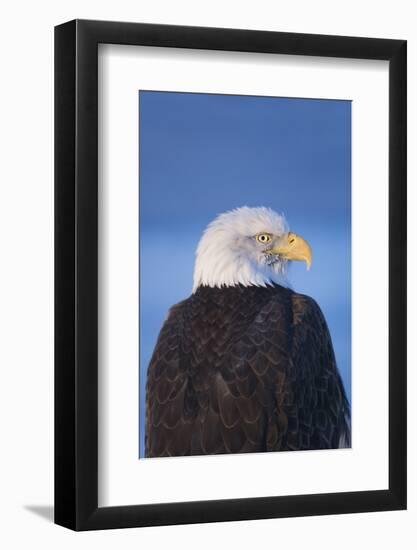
(263, 238)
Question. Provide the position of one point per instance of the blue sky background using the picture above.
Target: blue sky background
(202, 154)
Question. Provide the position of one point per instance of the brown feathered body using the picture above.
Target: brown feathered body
(244, 369)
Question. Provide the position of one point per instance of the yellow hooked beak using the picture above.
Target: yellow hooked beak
(294, 247)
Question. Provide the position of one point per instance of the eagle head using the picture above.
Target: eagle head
(249, 247)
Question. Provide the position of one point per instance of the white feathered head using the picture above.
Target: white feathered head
(247, 246)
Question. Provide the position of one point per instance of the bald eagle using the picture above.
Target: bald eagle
(245, 364)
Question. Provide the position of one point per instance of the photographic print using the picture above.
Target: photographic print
(215, 280)
(245, 274)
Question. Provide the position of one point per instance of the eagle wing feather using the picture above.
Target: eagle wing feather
(248, 370)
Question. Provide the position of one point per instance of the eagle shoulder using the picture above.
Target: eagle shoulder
(324, 409)
(166, 388)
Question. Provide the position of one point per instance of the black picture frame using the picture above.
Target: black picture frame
(76, 272)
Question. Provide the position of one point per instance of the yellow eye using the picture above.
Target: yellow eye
(263, 238)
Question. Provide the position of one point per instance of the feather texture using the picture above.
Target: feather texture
(244, 369)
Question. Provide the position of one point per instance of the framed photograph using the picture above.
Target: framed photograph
(230, 254)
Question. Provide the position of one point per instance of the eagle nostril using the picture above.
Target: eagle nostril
(291, 240)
